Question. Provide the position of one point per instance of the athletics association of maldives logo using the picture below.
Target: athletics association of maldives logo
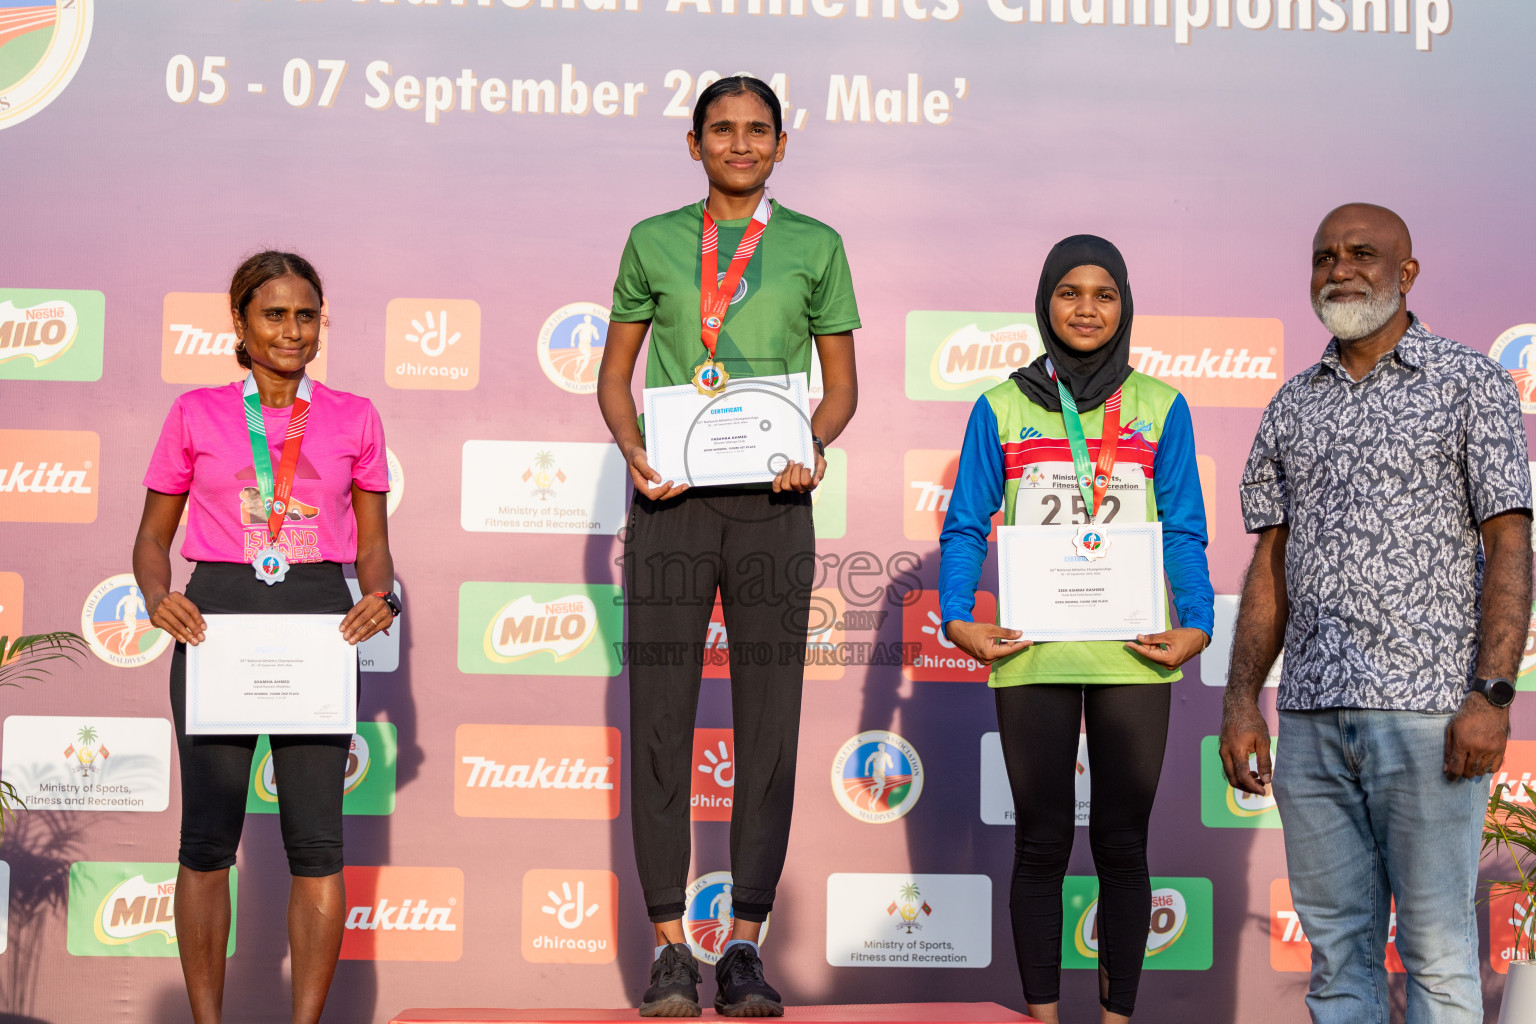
(571, 346)
(116, 624)
(709, 915)
(1515, 350)
(41, 47)
(877, 776)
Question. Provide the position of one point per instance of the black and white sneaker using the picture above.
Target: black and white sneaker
(742, 992)
(674, 990)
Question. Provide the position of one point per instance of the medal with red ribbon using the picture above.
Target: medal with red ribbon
(716, 291)
(1090, 542)
(270, 563)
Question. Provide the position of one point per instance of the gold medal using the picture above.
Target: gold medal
(709, 378)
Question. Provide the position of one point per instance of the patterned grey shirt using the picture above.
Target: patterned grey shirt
(1384, 482)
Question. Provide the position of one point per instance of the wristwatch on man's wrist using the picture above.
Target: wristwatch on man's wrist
(821, 449)
(1499, 692)
(392, 601)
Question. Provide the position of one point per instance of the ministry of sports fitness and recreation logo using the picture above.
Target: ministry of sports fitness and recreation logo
(41, 47)
(1515, 350)
(543, 475)
(71, 763)
(571, 345)
(116, 624)
(50, 334)
(877, 776)
(709, 915)
(908, 909)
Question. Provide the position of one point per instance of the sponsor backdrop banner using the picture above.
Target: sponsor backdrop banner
(463, 173)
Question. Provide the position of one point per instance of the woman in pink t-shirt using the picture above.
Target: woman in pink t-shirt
(270, 521)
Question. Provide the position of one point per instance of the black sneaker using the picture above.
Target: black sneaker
(742, 990)
(674, 990)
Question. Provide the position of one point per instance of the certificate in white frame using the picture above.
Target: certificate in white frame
(1049, 591)
(273, 674)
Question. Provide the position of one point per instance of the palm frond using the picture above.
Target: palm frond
(1511, 826)
(21, 660)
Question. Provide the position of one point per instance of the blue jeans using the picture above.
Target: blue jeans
(1369, 814)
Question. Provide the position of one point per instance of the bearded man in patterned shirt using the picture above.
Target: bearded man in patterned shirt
(1390, 489)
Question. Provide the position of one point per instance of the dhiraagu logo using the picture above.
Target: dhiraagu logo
(368, 786)
(1180, 933)
(562, 629)
(1221, 806)
(954, 357)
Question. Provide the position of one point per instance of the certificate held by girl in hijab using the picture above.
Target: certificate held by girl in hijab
(1088, 582)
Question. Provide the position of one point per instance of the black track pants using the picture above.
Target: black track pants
(758, 549)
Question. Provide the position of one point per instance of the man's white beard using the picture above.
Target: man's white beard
(1351, 321)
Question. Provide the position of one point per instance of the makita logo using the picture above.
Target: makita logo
(1228, 365)
(971, 354)
(541, 774)
(537, 771)
(42, 333)
(409, 916)
(403, 913)
(43, 479)
(931, 496)
(193, 341)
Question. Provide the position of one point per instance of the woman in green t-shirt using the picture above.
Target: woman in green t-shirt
(754, 544)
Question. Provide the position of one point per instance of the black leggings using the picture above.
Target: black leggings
(1127, 729)
(216, 770)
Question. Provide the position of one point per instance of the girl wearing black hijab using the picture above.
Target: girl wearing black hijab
(1028, 449)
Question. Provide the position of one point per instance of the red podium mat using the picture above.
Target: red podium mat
(861, 1013)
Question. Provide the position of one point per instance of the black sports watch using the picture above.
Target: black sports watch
(1500, 692)
(392, 601)
(821, 449)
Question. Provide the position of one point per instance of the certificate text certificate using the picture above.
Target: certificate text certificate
(1049, 590)
(275, 674)
(746, 434)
